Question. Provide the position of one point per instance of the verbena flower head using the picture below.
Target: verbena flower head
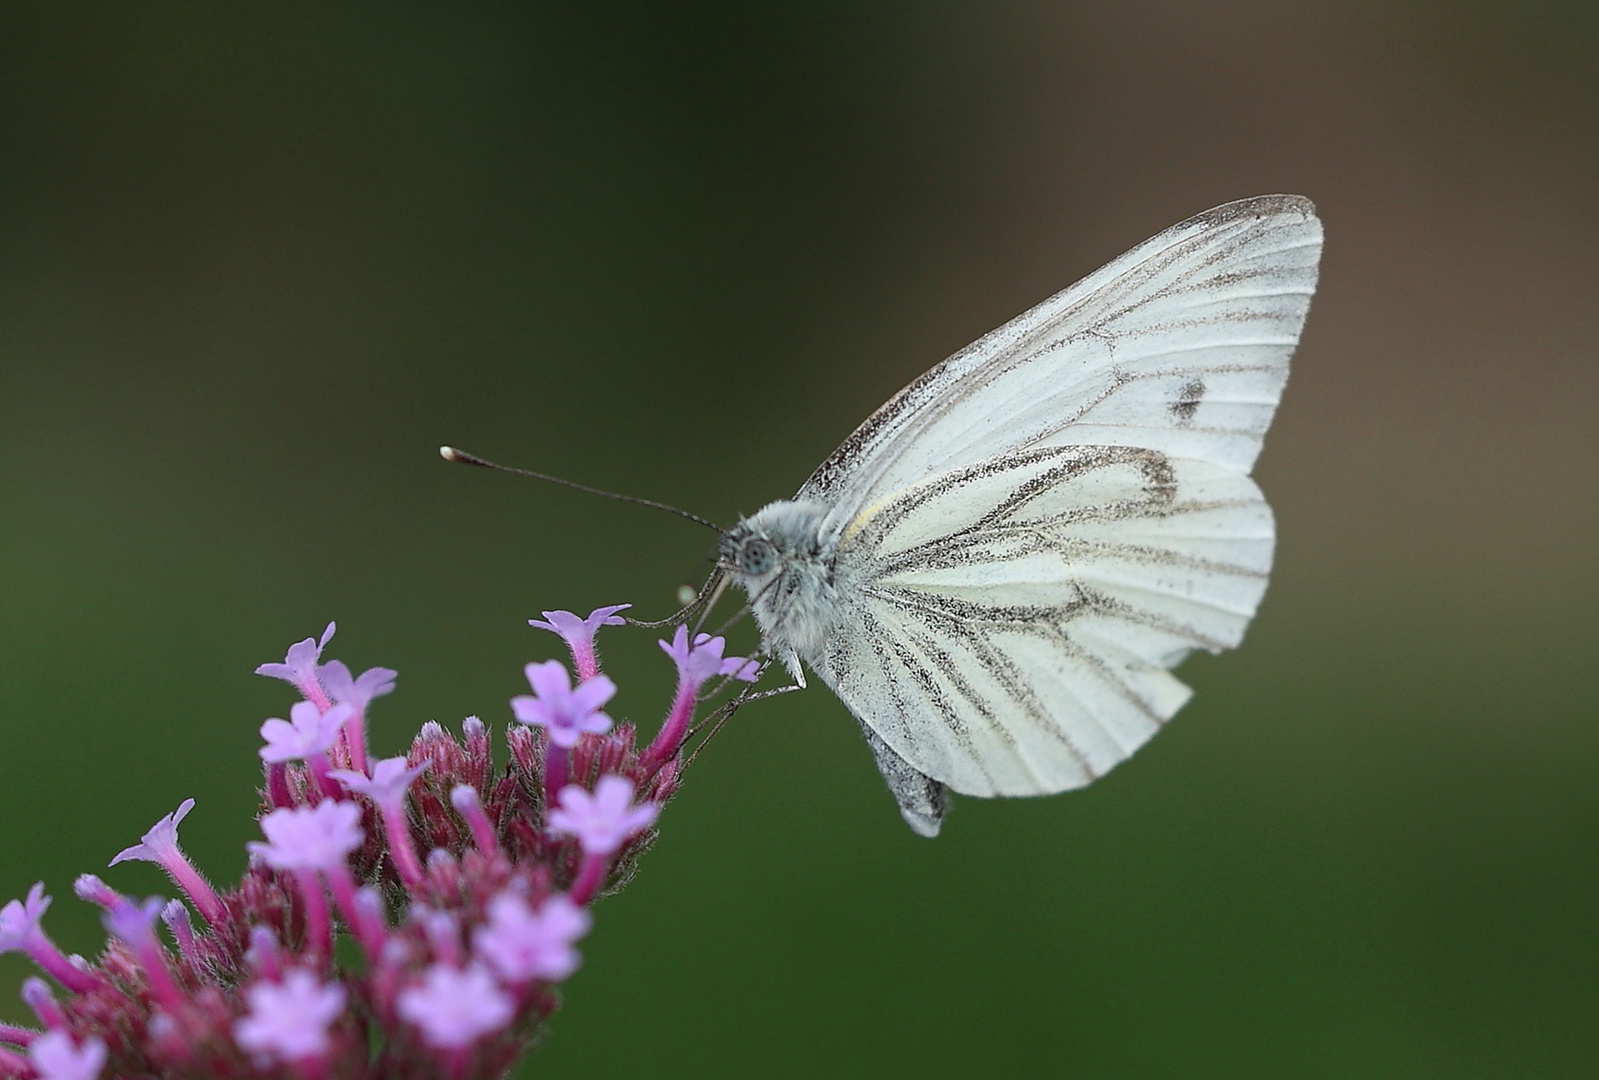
(566, 713)
(453, 959)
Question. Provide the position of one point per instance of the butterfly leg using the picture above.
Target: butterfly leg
(791, 661)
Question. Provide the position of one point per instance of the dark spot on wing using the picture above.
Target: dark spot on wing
(1188, 399)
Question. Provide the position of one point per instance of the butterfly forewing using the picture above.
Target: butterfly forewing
(1181, 345)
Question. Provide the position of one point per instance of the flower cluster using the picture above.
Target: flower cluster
(463, 888)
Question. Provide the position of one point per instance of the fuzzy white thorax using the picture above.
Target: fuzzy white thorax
(777, 555)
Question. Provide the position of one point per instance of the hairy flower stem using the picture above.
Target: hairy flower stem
(589, 878)
(669, 740)
(197, 888)
(366, 930)
(55, 964)
(277, 784)
(153, 959)
(318, 927)
(555, 765)
(355, 739)
(398, 828)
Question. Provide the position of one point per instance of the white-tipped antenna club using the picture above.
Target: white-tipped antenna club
(450, 453)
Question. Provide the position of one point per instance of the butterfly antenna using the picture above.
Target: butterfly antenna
(450, 453)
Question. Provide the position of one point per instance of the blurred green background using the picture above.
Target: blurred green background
(258, 260)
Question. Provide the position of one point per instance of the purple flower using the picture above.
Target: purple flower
(603, 821)
(318, 838)
(387, 786)
(521, 944)
(454, 1007)
(56, 1057)
(134, 921)
(307, 732)
(299, 667)
(160, 846)
(566, 713)
(289, 1020)
(579, 634)
(443, 932)
(321, 962)
(358, 691)
(264, 955)
(314, 840)
(91, 890)
(19, 920)
(20, 932)
(465, 799)
(176, 916)
(161, 842)
(37, 995)
(388, 783)
(697, 664)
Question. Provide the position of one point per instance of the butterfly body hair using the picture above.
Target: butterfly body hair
(780, 559)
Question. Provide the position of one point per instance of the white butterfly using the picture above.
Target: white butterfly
(997, 569)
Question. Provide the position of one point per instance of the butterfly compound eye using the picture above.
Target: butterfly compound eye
(756, 556)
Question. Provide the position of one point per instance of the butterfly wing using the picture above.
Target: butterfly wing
(1181, 345)
(1010, 625)
(1032, 533)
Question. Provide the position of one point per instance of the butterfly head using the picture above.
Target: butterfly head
(748, 553)
(772, 540)
(777, 555)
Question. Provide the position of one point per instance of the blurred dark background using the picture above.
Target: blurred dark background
(258, 260)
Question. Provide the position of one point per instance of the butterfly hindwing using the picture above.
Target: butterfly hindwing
(1011, 624)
